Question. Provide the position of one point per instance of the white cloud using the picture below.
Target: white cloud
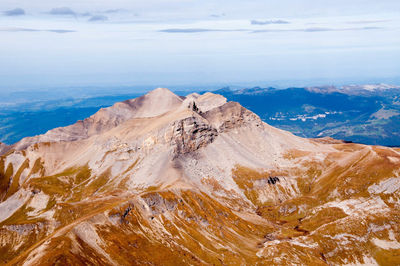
(139, 40)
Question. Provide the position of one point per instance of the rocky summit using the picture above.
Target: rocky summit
(170, 180)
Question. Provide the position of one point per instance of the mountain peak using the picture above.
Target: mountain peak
(208, 101)
(160, 90)
(156, 180)
(162, 94)
(154, 103)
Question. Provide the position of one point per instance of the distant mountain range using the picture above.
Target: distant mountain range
(368, 114)
(30, 119)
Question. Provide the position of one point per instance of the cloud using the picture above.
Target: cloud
(268, 22)
(314, 29)
(338, 29)
(98, 18)
(62, 11)
(60, 31)
(317, 29)
(194, 30)
(367, 21)
(15, 29)
(218, 15)
(15, 12)
(116, 10)
(186, 30)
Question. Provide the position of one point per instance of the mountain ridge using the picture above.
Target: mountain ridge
(107, 118)
(196, 180)
(368, 117)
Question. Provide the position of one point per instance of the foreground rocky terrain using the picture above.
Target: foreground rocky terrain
(163, 179)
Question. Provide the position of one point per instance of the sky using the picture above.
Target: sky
(70, 43)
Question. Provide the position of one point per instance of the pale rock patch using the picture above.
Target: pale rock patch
(386, 244)
(387, 186)
(13, 203)
(88, 234)
(38, 203)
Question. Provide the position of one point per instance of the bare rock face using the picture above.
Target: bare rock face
(169, 180)
(231, 115)
(191, 134)
(209, 101)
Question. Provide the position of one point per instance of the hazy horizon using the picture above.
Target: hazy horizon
(70, 43)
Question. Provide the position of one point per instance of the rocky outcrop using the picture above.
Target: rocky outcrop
(209, 101)
(191, 134)
(231, 115)
(24, 229)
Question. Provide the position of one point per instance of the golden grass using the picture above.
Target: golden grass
(191, 227)
(37, 168)
(21, 217)
(316, 183)
(75, 183)
(324, 216)
(387, 257)
(4, 179)
(245, 178)
(294, 154)
(213, 183)
(354, 178)
(14, 186)
(83, 174)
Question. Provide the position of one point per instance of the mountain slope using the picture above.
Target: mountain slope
(172, 180)
(3, 147)
(155, 103)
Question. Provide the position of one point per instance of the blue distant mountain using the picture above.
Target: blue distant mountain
(30, 119)
(367, 114)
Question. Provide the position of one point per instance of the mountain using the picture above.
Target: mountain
(36, 117)
(368, 114)
(367, 89)
(164, 179)
(371, 89)
(155, 103)
(3, 147)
